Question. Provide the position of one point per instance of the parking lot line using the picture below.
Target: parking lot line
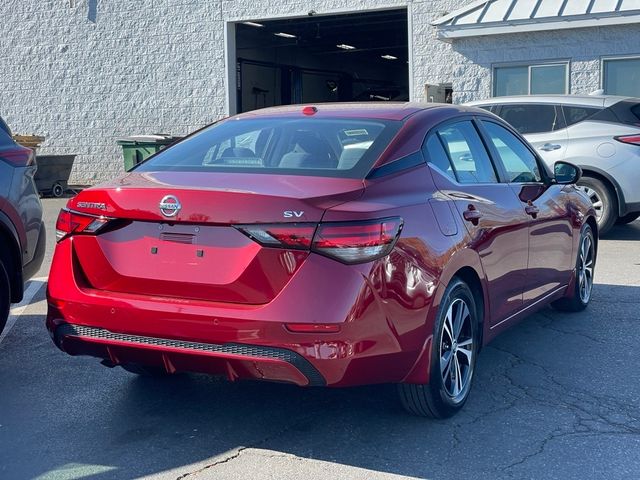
(33, 288)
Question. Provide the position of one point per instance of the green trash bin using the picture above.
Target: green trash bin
(138, 147)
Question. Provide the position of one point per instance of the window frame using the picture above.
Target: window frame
(635, 56)
(551, 63)
(494, 156)
(499, 173)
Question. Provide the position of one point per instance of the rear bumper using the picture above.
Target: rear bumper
(231, 359)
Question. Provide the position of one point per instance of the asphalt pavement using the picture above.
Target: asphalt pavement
(557, 396)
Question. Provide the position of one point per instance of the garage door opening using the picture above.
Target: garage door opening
(328, 58)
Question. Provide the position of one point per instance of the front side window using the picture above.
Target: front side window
(518, 161)
(621, 76)
(468, 156)
(530, 79)
(528, 119)
(287, 146)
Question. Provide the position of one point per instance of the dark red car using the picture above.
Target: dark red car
(333, 245)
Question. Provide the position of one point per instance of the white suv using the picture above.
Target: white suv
(600, 133)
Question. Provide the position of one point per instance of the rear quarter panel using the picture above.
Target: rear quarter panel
(408, 284)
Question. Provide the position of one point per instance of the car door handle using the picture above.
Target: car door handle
(532, 210)
(471, 214)
(550, 147)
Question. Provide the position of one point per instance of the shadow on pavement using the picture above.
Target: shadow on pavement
(546, 390)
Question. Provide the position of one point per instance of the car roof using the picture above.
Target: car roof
(582, 100)
(362, 110)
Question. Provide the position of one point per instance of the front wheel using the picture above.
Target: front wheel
(453, 357)
(583, 283)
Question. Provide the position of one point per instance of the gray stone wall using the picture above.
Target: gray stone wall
(85, 72)
(583, 48)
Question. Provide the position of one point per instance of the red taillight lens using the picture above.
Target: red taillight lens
(73, 222)
(295, 235)
(630, 139)
(347, 242)
(18, 156)
(357, 242)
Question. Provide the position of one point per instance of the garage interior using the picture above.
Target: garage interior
(322, 58)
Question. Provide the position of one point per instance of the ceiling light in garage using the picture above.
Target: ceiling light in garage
(284, 35)
(344, 46)
(388, 57)
(253, 24)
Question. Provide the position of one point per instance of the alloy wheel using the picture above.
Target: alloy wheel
(585, 268)
(457, 350)
(596, 201)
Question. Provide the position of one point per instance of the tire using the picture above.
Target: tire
(145, 371)
(57, 190)
(585, 265)
(446, 393)
(603, 201)
(628, 218)
(5, 296)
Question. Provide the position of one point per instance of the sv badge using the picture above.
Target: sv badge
(293, 214)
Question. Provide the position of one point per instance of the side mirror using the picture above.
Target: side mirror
(566, 173)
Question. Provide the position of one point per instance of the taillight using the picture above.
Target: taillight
(630, 139)
(347, 242)
(18, 157)
(70, 222)
(295, 235)
(357, 242)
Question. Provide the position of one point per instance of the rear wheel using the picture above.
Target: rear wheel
(5, 296)
(628, 218)
(453, 357)
(585, 264)
(602, 200)
(145, 371)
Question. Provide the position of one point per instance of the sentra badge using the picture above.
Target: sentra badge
(170, 206)
(96, 205)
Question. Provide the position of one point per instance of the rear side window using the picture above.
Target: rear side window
(520, 164)
(528, 119)
(626, 112)
(574, 114)
(290, 146)
(5, 138)
(4, 127)
(469, 158)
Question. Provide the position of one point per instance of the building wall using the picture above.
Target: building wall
(583, 47)
(85, 72)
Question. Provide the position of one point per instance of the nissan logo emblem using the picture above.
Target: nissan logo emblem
(170, 206)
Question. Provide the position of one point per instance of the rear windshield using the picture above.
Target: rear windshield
(626, 111)
(300, 146)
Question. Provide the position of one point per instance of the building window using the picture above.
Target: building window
(621, 76)
(530, 79)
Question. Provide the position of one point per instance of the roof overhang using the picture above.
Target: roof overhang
(497, 17)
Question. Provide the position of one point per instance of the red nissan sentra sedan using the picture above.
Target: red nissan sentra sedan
(327, 245)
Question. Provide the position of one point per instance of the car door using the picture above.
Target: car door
(496, 222)
(550, 230)
(542, 125)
